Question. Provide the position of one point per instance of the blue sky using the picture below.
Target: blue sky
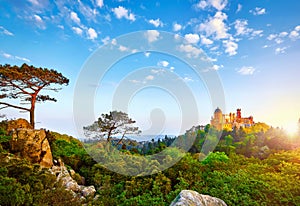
(254, 46)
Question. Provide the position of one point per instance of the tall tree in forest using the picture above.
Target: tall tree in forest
(25, 83)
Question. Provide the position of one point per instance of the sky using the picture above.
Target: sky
(253, 49)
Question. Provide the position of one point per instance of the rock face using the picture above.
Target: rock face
(64, 176)
(32, 145)
(192, 198)
(18, 124)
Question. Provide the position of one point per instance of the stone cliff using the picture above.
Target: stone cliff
(30, 144)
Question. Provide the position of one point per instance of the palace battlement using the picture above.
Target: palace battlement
(229, 121)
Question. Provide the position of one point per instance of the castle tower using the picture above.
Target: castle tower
(217, 120)
(238, 114)
(218, 114)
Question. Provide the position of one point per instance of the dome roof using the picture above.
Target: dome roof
(218, 110)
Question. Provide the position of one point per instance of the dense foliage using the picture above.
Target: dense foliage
(255, 166)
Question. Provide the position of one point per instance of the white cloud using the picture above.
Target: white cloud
(22, 59)
(152, 35)
(147, 54)
(105, 40)
(163, 63)
(74, 17)
(190, 50)
(283, 34)
(217, 4)
(134, 51)
(77, 30)
(39, 21)
(172, 69)
(265, 46)
(231, 47)
(297, 28)
(246, 70)
(208, 59)
(278, 41)
(214, 48)
(38, 18)
(156, 22)
(114, 42)
(272, 36)
(294, 35)
(177, 27)
(187, 79)
(5, 31)
(123, 48)
(202, 4)
(206, 41)
(34, 2)
(176, 36)
(92, 34)
(257, 33)
(99, 3)
(150, 77)
(280, 50)
(241, 27)
(158, 71)
(192, 38)
(121, 12)
(217, 67)
(9, 56)
(215, 26)
(258, 11)
(239, 8)
(134, 81)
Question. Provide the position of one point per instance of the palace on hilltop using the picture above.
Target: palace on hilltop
(229, 121)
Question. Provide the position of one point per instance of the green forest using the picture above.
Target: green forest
(259, 165)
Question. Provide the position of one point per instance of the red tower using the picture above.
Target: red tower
(238, 114)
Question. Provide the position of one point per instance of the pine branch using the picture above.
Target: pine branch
(13, 106)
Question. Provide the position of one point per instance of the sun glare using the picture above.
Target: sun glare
(291, 128)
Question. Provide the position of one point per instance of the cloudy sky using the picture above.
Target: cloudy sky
(253, 46)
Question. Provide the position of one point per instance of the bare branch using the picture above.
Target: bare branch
(14, 106)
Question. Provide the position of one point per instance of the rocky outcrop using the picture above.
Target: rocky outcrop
(192, 198)
(63, 175)
(18, 124)
(32, 145)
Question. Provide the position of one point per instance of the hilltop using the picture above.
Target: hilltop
(227, 173)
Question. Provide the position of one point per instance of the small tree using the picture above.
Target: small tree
(25, 83)
(112, 124)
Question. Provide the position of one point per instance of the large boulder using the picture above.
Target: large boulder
(32, 145)
(18, 124)
(192, 198)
